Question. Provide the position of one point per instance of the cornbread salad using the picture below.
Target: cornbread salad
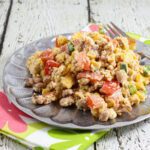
(90, 71)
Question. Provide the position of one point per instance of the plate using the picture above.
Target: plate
(14, 75)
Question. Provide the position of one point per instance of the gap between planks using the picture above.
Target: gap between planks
(5, 26)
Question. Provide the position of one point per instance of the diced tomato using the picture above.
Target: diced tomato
(119, 59)
(83, 75)
(48, 66)
(87, 65)
(83, 61)
(52, 63)
(109, 87)
(46, 55)
(92, 76)
(47, 70)
(94, 101)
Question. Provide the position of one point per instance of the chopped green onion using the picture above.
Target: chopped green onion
(132, 89)
(123, 66)
(101, 31)
(146, 71)
(70, 47)
(145, 91)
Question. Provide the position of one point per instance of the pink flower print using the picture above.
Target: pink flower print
(10, 115)
(93, 27)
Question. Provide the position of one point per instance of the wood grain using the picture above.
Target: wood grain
(9, 144)
(31, 20)
(4, 7)
(133, 16)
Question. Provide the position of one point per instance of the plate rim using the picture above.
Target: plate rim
(69, 125)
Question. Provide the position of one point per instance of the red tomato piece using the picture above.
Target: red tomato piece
(83, 75)
(87, 65)
(46, 55)
(52, 63)
(47, 70)
(92, 76)
(83, 61)
(94, 101)
(109, 87)
(48, 66)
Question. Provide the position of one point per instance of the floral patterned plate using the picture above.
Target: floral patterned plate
(14, 75)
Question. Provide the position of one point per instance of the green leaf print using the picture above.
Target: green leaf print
(38, 148)
(71, 138)
(133, 35)
(147, 42)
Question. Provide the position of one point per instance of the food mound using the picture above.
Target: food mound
(90, 71)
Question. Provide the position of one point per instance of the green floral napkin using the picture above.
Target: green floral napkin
(37, 135)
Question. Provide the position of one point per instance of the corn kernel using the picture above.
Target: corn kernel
(67, 69)
(141, 95)
(45, 91)
(139, 78)
(95, 64)
(140, 86)
(146, 80)
(77, 35)
(94, 112)
(61, 40)
(67, 81)
(111, 58)
(95, 36)
(92, 54)
(134, 99)
(60, 57)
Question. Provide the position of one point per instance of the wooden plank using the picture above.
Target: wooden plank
(135, 137)
(8, 144)
(4, 7)
(32, 20)
(132, 16)
(108, 142)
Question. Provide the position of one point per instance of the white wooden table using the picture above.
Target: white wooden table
(23, 21)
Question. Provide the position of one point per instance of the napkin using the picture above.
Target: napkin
(35, 134)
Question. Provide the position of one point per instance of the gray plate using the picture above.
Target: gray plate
(14, 75)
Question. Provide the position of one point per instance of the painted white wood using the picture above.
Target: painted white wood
(108, 142)
(34, 19)
(4, 6)
(9, 144)
(5, 142)
(131, 16)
